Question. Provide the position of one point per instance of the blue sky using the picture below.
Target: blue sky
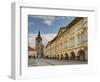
(47, 25)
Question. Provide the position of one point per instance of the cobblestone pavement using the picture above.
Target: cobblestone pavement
(48, 62)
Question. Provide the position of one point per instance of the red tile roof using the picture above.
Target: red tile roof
(31, 49)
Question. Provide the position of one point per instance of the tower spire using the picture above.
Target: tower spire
(39, 34)
(39, 45)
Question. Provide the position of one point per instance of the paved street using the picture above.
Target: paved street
(48, 62)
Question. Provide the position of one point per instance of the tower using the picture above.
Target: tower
(39, 46)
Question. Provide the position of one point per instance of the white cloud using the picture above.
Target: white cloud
(50, 19)
(46, 19)
(31, 23)
(47, 22)
(48, 37)
(45, 38)
(31, 40)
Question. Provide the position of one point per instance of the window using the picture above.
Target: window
(65, 44)
(78, 39)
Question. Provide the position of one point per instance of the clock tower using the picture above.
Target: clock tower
(39, 46)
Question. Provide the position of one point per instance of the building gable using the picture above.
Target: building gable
(62, 29)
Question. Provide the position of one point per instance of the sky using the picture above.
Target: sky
(47, 25)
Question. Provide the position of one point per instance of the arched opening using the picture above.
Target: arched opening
(66, 56)
(58, 56)
(86, 53)
(55, 57)
(72, 57)
(46, 57)
(29, 57)
(81, 55)
(61, 56)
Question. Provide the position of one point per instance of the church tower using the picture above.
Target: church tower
(39, 46)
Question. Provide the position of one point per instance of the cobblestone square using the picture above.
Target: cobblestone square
(48, 62)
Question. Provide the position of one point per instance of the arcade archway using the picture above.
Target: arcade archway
(72, 56)
(81, 55)
(66, 56)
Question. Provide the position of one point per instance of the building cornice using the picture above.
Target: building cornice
(66, 29)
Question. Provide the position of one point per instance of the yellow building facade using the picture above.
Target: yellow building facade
(71, 42)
